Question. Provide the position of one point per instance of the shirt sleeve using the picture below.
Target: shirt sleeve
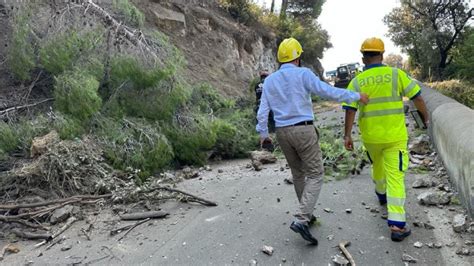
(353, 105)
(262, 115)
(314, 85)
(408, 87)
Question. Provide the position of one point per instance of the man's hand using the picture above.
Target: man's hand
(348, 143)
(364, 98)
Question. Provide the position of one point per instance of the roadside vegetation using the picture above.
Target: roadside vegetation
(439, 39)
(136, 105)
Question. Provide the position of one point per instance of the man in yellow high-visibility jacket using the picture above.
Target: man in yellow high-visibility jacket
(383, 129)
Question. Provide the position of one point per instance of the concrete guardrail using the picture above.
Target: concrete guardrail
(452, 133)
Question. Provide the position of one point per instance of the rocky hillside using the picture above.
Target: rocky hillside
(218, 50)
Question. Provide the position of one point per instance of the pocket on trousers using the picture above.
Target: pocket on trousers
(403, 161)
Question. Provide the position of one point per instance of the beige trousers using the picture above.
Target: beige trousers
(300, 145)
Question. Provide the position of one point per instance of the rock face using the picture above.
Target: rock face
(217, 48)
(434, 197)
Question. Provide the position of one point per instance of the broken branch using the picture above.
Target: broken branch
(16, 108)
(68, 224)
(348, 255)
(29, 235)
(51, 202)
(143, 215)
(198, 199)
(133, 226)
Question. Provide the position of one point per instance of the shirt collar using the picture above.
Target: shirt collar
(373, 65)
(287, 65)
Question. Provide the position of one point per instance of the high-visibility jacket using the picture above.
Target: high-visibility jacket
(382, 120)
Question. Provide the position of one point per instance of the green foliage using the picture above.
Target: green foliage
(21, 53)
(134, 143)
(25, 130)
(72, 49)
(192, 140)
(75, 94)
(151, 93)
(207, 100)
(131, 15)
(235, 134)
(462, 65)
(67, 127)
(428, 31)
(461, 91)
(9, 141)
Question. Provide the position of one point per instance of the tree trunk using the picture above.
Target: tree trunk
(272, 7)
(284, 6)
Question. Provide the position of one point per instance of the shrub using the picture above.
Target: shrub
(21, 55)
(192, 139)
(9, 141)
(461, 91)
(66, 50)
(134, 143)
(129, 13)
(206, 99)
(75, 94)
(151, 93)
(67, 127)
(25, 130)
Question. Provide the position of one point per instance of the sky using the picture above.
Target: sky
(349, 23)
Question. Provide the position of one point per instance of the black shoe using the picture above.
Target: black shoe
(399, 234)
(304, 232)
(313, 220)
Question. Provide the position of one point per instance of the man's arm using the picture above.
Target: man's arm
(348, 122)
(262, 117)
(325, 90)
(421, 106)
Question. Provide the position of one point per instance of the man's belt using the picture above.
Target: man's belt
(303, 123)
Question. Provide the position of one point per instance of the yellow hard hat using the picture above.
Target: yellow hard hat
(372, 45)
(289, 50)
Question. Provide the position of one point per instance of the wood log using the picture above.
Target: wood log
(143, 215)
(30, 235)
(197, 199)
(51, 202)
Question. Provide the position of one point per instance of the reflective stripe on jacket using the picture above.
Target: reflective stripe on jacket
(382, 120)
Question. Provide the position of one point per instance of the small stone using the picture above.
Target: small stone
(248, 165)
(438, 245)
(418, 244)
(267, 250)
(283, 259)
(288, 180)
(363, 203)
(66, 248)
(459, 223)
(469, 242)
(423, 182)
(429, 226)
(220, 171)
(348, 210)
(367, 207)
(330, 237)
(278, 199)
(384, 216)
(252, 262)
(207, 168)
(282, 168)
(328, 210)
(434, 198)
(452, 244)
(257, 166)
(184, 243)
(339, 260)
(418, 224)
(374, 210)
(61, 214)
(408, 258)
(464, 251)
(430, 245)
